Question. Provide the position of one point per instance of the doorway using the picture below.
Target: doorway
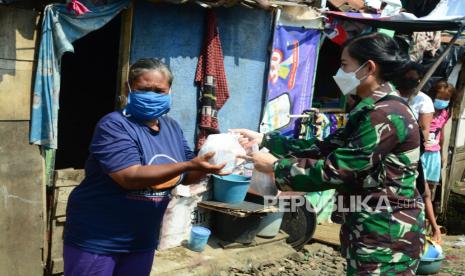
(88, 92)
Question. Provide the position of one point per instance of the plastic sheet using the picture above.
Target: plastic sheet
(447, 65)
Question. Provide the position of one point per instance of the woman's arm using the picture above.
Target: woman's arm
(162, 176)
(424, 120)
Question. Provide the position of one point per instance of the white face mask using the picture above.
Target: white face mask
(348, 82)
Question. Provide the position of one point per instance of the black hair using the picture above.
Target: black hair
(405, 83)
(381, 49)
(146, 64)
(417, 67)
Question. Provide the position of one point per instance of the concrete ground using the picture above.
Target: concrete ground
(182, 261)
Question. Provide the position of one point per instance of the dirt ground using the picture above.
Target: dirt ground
(319, 259)
(454, 250)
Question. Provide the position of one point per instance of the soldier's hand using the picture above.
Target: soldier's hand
(263, 161)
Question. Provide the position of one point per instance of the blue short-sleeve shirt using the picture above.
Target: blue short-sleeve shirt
(104, 218)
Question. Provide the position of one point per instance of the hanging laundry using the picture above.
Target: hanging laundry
(210, 77)
(339, 31)
(335, 31)
(77, 7)
(304, 129)
(320, 125)
(424, 42)
(333, 122)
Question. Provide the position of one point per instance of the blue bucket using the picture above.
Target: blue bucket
(199, 238)
(230, 188)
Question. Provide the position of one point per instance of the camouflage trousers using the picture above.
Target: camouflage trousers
(358, 268)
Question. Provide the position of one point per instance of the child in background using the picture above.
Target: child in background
(442, 93)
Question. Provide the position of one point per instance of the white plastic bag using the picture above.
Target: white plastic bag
(226, 147)
(263, 183)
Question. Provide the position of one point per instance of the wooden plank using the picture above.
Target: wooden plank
(56, 250)
(328, 233)
(57, 266)
(242, 209)
(61, 200)
(124, 54)
(447, 130)
(459, 188)
(458, 107)
(17, 50)
(68, 177)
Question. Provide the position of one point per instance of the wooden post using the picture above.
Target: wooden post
(124, 55)
(456, 112)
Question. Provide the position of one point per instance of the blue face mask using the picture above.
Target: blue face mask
(148, 105)
(440, 104)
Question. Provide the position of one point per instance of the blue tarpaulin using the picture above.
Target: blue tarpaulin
(60, 28)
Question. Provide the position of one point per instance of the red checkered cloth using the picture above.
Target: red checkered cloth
(211, 78)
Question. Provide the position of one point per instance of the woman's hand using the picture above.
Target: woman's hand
(200, 163)
(263, 161)
(437, 234)
(248, 137)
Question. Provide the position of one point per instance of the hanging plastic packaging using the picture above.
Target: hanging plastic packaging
(262, 183)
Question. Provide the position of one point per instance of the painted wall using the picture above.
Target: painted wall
(175, 34)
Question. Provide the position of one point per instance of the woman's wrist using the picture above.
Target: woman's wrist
(188, 166)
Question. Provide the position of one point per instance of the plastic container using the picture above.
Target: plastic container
(270, 225)
(236, 230)
(199, 238)
(429, 265)
(431, 250)
(231, 188)
(263, 184)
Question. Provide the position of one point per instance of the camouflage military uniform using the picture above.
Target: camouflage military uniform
(375, 158)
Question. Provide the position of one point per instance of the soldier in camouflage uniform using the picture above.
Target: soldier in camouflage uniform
(374, 157)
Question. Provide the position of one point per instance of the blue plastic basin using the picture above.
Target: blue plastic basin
(429, 265)
(199, 238)
(230, 188)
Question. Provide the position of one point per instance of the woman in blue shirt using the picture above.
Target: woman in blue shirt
(136, 156)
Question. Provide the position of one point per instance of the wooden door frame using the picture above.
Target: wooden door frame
(124, 55)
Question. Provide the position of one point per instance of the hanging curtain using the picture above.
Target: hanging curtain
(60, 27)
